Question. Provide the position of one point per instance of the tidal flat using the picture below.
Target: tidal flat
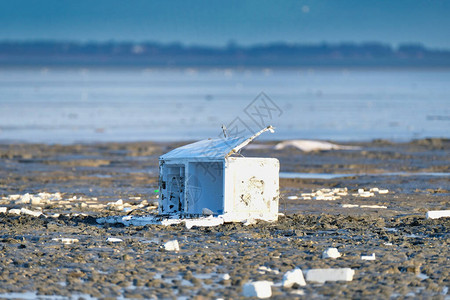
(63, 252)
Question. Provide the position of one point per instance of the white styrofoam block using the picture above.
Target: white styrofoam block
(436, 214)
(30, 212)
(114, 240)
(293, 277)
(3, 209)
(25, 199)
(373, 206)
(331, 253)
(172, 246)
(225, 276)
(66, 241)
(368, 257)
(323, 275)
(203, 222)
(259, 289)
(15, 211)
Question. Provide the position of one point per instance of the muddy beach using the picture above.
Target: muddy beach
(63, 251)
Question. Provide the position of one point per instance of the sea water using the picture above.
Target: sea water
(67, 105)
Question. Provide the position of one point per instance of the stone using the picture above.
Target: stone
(258, 289)
(293, 277)
(323, 275)
(331, 253)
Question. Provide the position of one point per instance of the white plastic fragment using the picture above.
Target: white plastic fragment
(203, 222)
(366, 194)
(25, 199)
(422, 276)
(249, 222)
(331, 253)
(383, 191)
(293, 277)
(66, 241)
(292, 197)
(349, 205)
(373, 206)
(436, 214)
(297, 292)
(226, 276)
(172, 246)
(323, 275)
(117, 205)
(3, 209)
(362, 206)
(368, 257)
(311, 145)
(264, 270)
(258, 289)
(114, 240)
(30, 212)
(13, 197)
(14, 211)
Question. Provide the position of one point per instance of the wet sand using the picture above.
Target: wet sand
(411, 251)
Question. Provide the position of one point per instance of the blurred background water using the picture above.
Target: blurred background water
(67, 105)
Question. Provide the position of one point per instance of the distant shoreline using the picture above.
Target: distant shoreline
(280, 55)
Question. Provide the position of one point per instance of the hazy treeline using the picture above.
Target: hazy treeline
(177, 55)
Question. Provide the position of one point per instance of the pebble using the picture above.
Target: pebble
(258, 289)
(172, 246)
(331, 253)
(293, 277)
(323, 275)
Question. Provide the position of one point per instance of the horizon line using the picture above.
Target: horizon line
(230, 44)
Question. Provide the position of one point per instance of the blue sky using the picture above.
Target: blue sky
(218, 22)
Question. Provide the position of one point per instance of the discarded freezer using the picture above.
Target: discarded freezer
(207, 177)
